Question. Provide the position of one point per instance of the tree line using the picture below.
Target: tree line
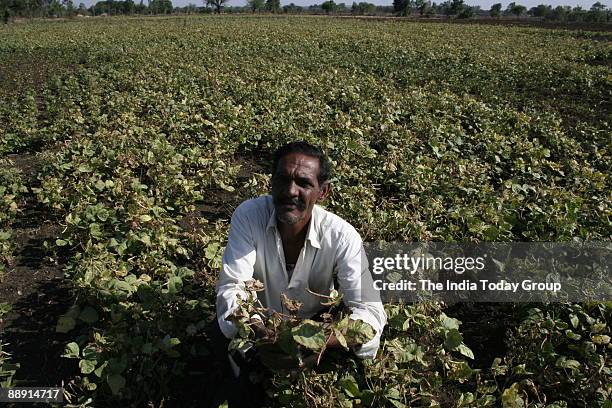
(418, 8)
(597, 13)
(67, 8)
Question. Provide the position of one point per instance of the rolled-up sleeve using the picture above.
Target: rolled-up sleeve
(237, 267)
(356, 286)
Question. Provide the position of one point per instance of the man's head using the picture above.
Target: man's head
(300, 178)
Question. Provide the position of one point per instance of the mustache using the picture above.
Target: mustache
(296, 201)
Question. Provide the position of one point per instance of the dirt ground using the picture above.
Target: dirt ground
(35, 288)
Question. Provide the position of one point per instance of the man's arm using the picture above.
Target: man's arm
(356, 285)
(237, 267)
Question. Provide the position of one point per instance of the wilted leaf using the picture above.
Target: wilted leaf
(87, 366)
(293, 306)
(89, 315)
(466, 351)
(175, 284)
(452, 339)
(116, 382)
(65, 324)
(71, 350)
(511, 398)
(309, 334)
(358, 332)
(350, 387)
(567, 363)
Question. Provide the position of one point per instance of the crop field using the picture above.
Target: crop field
(126, 144)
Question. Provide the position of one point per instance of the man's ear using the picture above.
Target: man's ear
(325, 190)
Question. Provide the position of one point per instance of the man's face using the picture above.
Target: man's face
(295, 188)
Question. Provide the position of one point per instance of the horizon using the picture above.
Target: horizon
(484, 4)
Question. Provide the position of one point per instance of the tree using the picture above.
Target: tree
(217, 4)
(363, 8)
(515, 9)
(495, 10)
(129, 7)
(329, 6)
(422, 6)
(578, 14)
(541, 10)
(161, 6)
(518, 10)
(292, 8)
(82, 10)
(399, 5)
(256, 5)
(452, 7)
(69, 6)
(466, 12)
(457, 6)
(55, 9)
(597, 13)
(404, 7)
(273, 6)
(141, 8)
(559, 13)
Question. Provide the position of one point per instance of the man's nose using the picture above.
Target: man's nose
(292, 189)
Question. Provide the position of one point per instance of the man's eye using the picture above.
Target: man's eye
(304, 183)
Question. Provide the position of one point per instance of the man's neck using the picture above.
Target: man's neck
(294, 233)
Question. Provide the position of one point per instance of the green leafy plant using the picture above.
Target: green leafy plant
(149, 138)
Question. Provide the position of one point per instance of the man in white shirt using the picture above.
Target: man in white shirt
(291, 244)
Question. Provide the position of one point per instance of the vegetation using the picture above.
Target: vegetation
(7, 369)
(436, 132)
(598, 13)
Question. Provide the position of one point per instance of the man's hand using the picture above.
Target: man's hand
(258, 326)
(273, 357)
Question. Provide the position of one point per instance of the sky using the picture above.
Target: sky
(485, 4)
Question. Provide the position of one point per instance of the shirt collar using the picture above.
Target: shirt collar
(313, 228)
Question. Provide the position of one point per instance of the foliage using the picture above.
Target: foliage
(296, 337)
(363, 8)
(272, 6)
(436, 132)
(12, 190)
(256, 5)
(329, 6)
(562, 352)
(495, 10)
(516, 9)
(421, 342)
(217, 4)
(7, 369)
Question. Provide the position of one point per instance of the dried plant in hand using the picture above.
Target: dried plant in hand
(295, 336)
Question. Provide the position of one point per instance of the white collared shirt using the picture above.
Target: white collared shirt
(332, 247)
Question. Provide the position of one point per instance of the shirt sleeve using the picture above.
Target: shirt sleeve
(237, 267)
(360, 297)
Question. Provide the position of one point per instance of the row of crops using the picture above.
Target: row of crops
(436, 132)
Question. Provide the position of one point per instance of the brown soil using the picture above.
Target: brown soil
(504, 21)
(35, 288)
(220, 204)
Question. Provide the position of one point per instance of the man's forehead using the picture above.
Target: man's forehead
(299, 163)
